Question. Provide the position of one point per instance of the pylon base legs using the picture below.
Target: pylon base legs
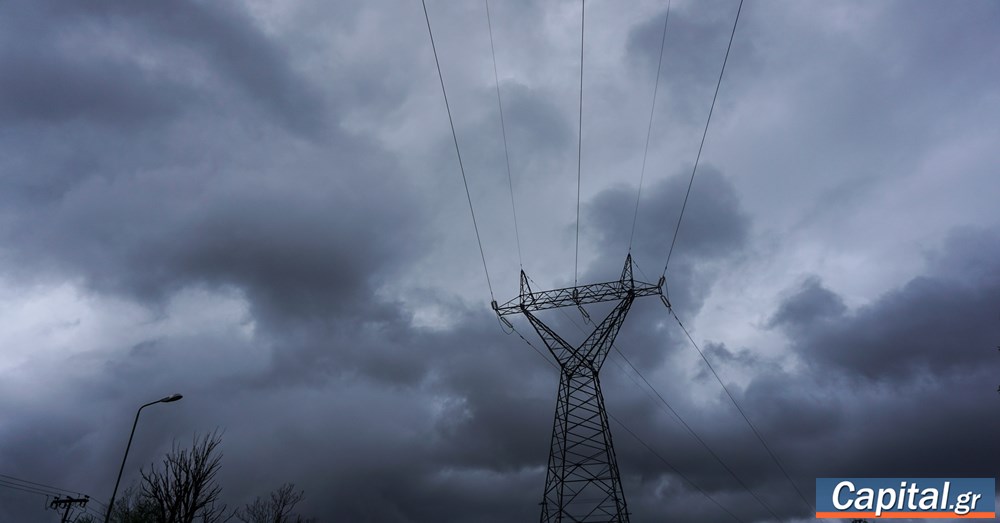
(582, 483)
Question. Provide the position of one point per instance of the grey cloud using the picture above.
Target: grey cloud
(872, 427)
(888, 381)
(291, 251)
(688, 34)
(535, 124)
(231, 44)
(811, 303)
(931, 324)
(47, 88)
(695, 42)
(134, 189)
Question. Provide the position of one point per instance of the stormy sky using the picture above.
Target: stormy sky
(258, 205)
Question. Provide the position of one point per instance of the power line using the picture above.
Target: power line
(667, 463)
(673, 242)
(32, 484)
(732, 398)
(54, 490)
(579, 145)
(703, 135)
(37, 488)
(25, 488)
(649, 129)
(698, 438)
(458, 152)
(503, 129)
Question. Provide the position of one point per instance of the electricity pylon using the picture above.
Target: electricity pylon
(582, 483)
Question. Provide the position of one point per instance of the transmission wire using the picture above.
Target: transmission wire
(25, 488)
(732, 398)
(673, 242)
(49, 489)
(703, 135)
(503, 128)
(667, 463)
(54, 490)
(458, 152)
(579, 145)
(649, 129)
(697, 437)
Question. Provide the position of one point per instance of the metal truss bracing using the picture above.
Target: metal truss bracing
(582, 483)
(582, 295)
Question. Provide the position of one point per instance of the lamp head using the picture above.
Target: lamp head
(170, 398)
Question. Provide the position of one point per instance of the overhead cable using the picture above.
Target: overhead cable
(649, 128)
(458, 152)
(579, 146)
(704, 133)
(503, 129)
(746, 418)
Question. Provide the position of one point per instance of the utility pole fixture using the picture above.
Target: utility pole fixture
(68, 503)
(582, 483)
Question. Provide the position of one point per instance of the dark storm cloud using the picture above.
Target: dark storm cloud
(933, 324)
(292, 253)
(109, 89)
(105, 91)
(810, 303)
(177, 168)
(55, 80)
(891, 380)
(232, 45)
(293, 249)
(305, 240)
(869, 428)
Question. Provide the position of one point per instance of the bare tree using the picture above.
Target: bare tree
(132, 507)
(183, 489)
(278, 509)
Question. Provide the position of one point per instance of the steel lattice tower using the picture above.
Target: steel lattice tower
(582, 483)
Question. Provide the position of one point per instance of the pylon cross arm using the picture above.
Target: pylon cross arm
(580, 295)
(530, 301)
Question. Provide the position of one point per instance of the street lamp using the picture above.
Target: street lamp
(168, 399)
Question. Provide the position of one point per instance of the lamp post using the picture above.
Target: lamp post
(168, 399)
